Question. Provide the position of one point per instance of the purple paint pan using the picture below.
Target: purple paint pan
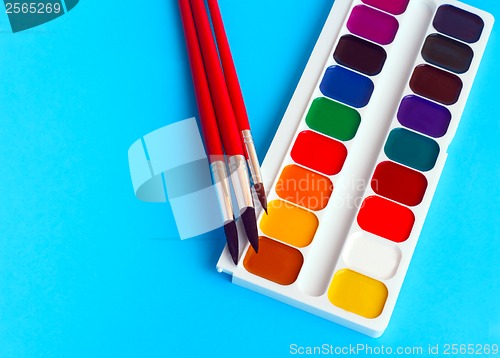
(424, 116)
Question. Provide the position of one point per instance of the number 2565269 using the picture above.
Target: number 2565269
(32, 8)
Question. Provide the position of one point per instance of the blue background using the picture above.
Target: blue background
(86, 270)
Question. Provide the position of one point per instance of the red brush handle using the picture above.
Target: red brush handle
(203, 98)
(231, 138)
(230, 74)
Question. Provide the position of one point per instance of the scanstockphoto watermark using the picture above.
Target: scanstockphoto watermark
(311, 190)
(353, 349)
(452, 349)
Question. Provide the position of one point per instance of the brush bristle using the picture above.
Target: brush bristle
(232, 240)
(261, 194)
(250, 224)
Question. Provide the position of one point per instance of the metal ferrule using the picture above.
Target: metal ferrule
(241, 183)
(253, 161)
(221, 183)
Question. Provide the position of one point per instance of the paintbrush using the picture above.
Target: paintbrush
(210, 130)
(237, 100)
(226, 121)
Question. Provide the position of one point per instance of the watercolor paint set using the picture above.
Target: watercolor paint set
(358, 155)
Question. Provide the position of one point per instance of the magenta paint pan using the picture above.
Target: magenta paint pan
(373, 24)
(395, 7)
